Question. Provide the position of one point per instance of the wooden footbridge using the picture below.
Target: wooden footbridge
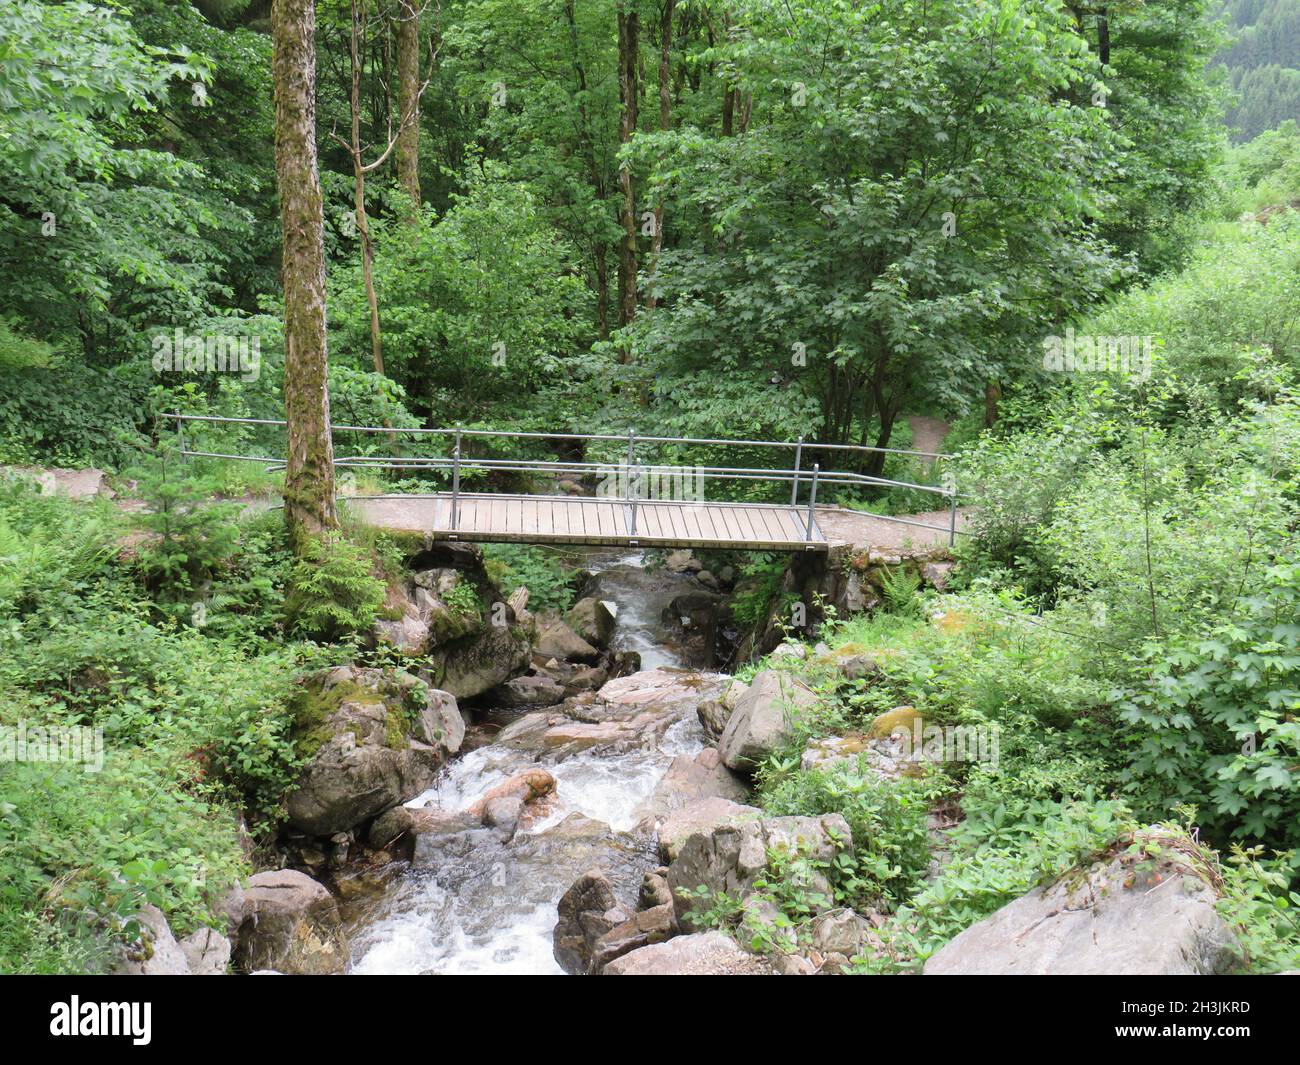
(620, 501)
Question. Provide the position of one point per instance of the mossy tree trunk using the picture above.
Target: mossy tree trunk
(408, 100)
(309, 506)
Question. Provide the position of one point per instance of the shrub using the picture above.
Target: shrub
(333, 590)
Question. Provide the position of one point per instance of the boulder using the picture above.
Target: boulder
(588, 910)
(356, 727)
(418, 617)
(702, 954)
(291, 924)
(556, 640)
(701, 816)
(857, 666)
(440, 722)
(207, 951)
(761, 721)
(533, 689)
(474, 664)
(682, 561)
(690, 779)
(937, 574)
(592, 620)
(626, 714)
(156, 952)
(1117, 918)
(732, 856)
(713, 716)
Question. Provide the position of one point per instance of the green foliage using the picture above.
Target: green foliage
(982, 876)
(1212, 724)
(887, 819)
(186, 535)
(760, 581)
(1263, 908)
(546, 573)
(333, 591)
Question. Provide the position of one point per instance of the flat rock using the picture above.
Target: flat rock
(701, 954)
(1113, 919)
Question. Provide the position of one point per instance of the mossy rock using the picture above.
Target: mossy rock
(900, 719)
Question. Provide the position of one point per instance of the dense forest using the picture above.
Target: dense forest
(1263, 61)
(1065, 233)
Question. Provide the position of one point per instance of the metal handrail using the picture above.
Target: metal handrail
(521, 434)
(636, 471)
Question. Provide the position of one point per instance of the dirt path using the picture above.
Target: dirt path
(928, 434)
(867, 532)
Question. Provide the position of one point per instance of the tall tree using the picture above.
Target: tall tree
(665, 121)
(408, 99)
(309, 507)
(628, 91)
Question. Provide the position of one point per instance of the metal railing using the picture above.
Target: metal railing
(633, 471)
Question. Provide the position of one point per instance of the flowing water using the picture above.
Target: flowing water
(483, 906)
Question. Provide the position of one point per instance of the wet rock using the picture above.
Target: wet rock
(354, 725)
(762, 719)
(695, 617)
(207, 952)
(1118, 917)
(730, 857)
(641, 929)
(588, 910)
(709, 580)
(291, 924)
(701, 954)
(156, 953)
(592, 620)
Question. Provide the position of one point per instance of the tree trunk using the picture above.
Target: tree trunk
(309, 477)
(628, 29)
(408, 100)
(359, 174)
(992, 394)
(665, 120)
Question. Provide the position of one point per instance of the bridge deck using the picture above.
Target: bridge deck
(593, 520)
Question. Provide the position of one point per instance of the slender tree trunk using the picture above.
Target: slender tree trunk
(407, 151)
(1103, 36)
(309, 477)
(628, 30)
(359, 199)
(599, 248)
(665, 121)
(992, 394)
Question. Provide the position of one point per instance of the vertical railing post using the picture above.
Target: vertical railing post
(633, 486)
(812, 499)
(180, 438)
(794, 488)
(455, 485)
(952, 518)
